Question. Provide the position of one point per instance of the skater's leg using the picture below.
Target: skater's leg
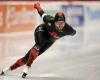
(41, 40)
(32, 56)
(20, 62)
(17, 64)
(36, 51)
(41, 45)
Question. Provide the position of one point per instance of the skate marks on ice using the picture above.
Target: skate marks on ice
(17, 77)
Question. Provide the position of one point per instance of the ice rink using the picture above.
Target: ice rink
(70, 58)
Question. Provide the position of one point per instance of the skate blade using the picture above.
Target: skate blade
(24, 75)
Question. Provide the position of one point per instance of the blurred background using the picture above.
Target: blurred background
(71, 57)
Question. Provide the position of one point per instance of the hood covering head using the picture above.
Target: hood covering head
(59, 16)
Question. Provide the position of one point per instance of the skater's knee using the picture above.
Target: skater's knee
(34, 53)
(24, 60)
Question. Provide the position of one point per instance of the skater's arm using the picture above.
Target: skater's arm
(38, 8)
(70, 30)
(45, 17)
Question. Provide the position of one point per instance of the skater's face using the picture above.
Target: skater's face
(59, 25)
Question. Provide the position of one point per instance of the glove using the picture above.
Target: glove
(37, 5)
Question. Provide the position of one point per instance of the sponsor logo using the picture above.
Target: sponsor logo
(93, 13)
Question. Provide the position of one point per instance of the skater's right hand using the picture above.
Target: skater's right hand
(37, 5)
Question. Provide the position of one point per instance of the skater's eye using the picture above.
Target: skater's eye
(60, 23)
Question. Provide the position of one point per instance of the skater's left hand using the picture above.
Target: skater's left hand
(37, 5)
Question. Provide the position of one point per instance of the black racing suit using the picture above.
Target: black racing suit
(46, 34)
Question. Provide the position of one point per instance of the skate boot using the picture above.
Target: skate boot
(5, 71)
(24, 75)
(2, 73)
(25, 71)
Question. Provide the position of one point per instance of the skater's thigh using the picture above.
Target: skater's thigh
(45, 47)
(41, 37)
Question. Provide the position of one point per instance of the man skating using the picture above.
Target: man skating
(46, 34)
